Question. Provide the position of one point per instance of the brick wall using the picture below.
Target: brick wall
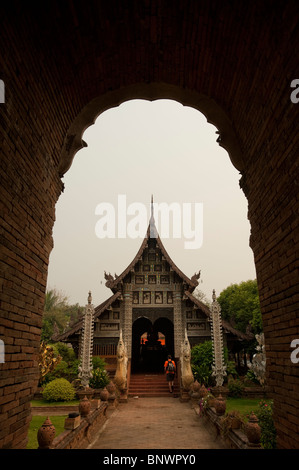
(62, 65)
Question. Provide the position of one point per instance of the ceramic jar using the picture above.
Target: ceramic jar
(203, 391)
(84, 407)
(104, 395)
(220, 405)
(46, 434)
(111, 388)
(253, 430)
(196, 387)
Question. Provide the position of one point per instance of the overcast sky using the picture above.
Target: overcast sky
(138, 149)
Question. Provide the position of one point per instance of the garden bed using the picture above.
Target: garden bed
(42, 407)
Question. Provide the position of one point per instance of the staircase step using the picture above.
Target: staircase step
(150, 385)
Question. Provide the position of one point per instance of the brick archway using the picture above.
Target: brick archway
(153, 91)
(65, 63)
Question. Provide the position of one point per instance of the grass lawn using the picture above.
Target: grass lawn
(36, 423)
(243, 405)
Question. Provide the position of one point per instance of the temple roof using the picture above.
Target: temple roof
(152, 232)
(225, 324)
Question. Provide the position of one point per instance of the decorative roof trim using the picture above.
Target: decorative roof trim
(225, 324)
(79, 324)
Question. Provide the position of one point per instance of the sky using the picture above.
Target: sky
(134, 151)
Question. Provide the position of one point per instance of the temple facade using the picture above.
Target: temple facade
(152, 303)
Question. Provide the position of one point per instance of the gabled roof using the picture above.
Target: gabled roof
(77, 327)
(152, 233)
(225, 324)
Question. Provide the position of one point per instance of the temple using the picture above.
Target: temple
(152, 303)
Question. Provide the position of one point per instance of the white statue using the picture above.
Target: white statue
(258, 365)
(120, 378)
(185, 359)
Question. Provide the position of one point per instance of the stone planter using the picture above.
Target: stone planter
(220, 405)
(84, 407)
(85, 392)
(72, 422)
(97, 393)
(45, 435)
(253, 430)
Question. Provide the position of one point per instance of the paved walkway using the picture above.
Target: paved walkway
(155, 423)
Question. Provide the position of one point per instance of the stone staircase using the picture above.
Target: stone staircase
(151, 385)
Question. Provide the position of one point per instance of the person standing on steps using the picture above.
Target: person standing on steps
(169, 369)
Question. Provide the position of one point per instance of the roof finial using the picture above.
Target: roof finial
(153, 230)
(152, 206)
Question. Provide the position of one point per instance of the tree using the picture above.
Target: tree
(200, 295)
(241, 307)
(58, 312)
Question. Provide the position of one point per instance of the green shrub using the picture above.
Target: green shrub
(231, 369)
(250, 377)
(100, 378)
(98, 363)
(59, 390)
(235, 387)
(66, 352)
(202, 361)
(268, 431)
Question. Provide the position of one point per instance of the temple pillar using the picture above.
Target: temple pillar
(178, 321)
(127, 318)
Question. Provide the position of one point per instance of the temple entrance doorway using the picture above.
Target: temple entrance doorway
(151, 344)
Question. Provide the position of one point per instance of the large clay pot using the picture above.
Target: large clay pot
(84, 407)
(253, 430)
(195, 389)
(111, 388)
(104, 395)
(45, 434)
(203, 391)
(220, 405)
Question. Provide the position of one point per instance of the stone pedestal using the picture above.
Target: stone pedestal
(184, 396)
(72, 422)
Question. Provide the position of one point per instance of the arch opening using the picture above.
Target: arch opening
(151, 343)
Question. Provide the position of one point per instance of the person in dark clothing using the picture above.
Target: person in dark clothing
(170, 369)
